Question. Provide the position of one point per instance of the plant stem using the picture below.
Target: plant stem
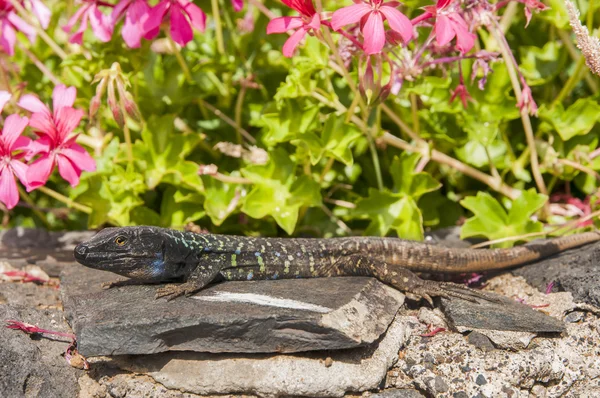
(372, 124)
(45, 71)
(180, 59)
(218, 27)
(511, 67)
(25, 15)
(228, 120)
(25, 196)
(571, 82)
(239, 103)
(128, 144)
(326, 169)
(68, 201)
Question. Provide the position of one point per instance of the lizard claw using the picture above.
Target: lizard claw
(173, 291)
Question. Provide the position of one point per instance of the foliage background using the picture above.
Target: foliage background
(319, 179)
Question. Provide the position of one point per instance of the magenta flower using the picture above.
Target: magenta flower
(55, 145)
(532, 5)
(307, 21)
(10, 24)
(182, 14)
(89, 11)
(237, 5)
(10, 166)
(41, 12)
(371, 14)
(449, 24)
(137, 13)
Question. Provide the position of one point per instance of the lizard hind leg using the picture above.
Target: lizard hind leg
(406, 281)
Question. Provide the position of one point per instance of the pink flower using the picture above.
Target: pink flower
(137, 13)
(237, 5)
(371, 15)
(54, 145)
(41, 12)
(10, 165)
(89, 11)
(10, 24)
(449, 24)
(532, 5)
(183, 15)
(307, 21)
(462, 93)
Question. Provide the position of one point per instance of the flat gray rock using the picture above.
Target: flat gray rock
(320, 374)
(508, 315)
(245, 317)
(576, 271)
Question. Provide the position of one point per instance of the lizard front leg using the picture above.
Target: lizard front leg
(201, 276)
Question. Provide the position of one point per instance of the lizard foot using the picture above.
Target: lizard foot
(173, 291)
(452, 290)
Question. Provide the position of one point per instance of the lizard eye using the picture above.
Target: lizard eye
(120, 240)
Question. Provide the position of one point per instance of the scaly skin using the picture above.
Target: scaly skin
(154, 255)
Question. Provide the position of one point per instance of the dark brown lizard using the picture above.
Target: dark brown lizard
(152, 255)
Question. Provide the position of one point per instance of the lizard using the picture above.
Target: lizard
(148, 254)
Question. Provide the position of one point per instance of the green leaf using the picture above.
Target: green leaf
(492, 221)
(387, 211)
(277, 192)
(541, 65)
(180, 207)
(293, 119)
(406, 181)
(577, 119)
(220, 199)
(336, 141)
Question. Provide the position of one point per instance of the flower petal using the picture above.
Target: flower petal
(33, 104)
(8, 38)
(63, 96)
(374, 34)
(21, 25)
(20, 170)
(41, 12)
(181, 31)
(237, 5)
(79, 157)
(398, 22)
(119, 10)
(101, 25)
(196, 15)
(9, 195)
(42, 145)
(465, 40)
(43, 123)
(4, 98)
(351, 14)
(443, 30)
(155, 16)
(75, 17)
(290, 44)
(68, 170)
(135, 18)
(283, 24)
(39, 172)
(66, 121)
(13, 128)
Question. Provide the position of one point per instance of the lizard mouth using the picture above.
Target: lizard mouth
(86, 257)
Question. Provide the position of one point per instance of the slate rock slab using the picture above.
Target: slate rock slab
(507, 315)
(576, 271)
(244, 317)
(314, 374)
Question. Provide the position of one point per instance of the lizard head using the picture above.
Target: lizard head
(134, 252)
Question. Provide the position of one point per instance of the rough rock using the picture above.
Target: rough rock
(398, 393)
(576, 271)
(255, 316)
(507, 315)
(34, 366)
(359, 369)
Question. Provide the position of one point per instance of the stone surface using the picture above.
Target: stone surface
(359, 369)
(254, 316)
(398, 393)
(507, 315)
(34, 366)
(576, 271)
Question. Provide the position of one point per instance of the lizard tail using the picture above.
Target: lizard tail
(430, 258)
